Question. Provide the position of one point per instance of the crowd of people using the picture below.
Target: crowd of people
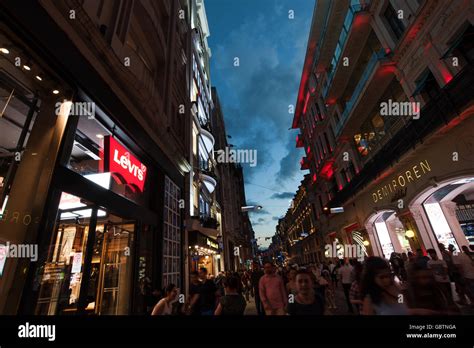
(413, 283)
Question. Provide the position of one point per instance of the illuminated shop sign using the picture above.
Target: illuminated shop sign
(123, 164)
(401, 181)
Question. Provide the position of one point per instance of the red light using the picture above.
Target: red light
(314, 177)
(340, 187)
(306, 103)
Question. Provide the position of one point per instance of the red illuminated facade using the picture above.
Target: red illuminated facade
(360, 56)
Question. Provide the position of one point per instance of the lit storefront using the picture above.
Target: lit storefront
(76, 180)
(204, 252)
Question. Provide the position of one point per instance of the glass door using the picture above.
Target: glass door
(106, 257)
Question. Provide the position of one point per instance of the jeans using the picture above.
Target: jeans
(347, 288)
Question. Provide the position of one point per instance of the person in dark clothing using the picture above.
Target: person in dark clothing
(307, 301)
(232, 303)
(206, 294)
(192, 307)
(257, 273)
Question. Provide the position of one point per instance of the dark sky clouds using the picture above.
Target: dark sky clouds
(256, 95)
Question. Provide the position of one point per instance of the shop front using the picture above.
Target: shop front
(76, 181)
(204, 252)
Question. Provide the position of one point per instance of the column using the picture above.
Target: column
(423, 229)
(28, 196)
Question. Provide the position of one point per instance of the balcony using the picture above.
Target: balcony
(372, 84)
(354, 33)
(208, 222)
(442, 109)
(207, 139)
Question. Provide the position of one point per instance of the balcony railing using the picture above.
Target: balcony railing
(438, 111)
(341, 42)
(369, 69)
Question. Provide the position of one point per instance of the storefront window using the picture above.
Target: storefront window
(18, 110)
(63, 288)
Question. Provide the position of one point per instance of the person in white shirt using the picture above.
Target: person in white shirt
(165, 305)
(466, 266)
(345, 274)
(440, 273)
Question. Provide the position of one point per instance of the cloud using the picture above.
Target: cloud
(289, 164)
(283, 195)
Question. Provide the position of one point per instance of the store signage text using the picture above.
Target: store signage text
(401, 181)
(212, 244)
(120, 161)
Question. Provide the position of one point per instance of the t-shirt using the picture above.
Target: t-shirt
(194, 289)
(315, 308)
(346, 274)
(466, 264)
(233, 304)
(207, 295)
(440, 270)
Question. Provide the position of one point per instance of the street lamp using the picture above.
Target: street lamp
(409, 234)
(251, 208)
(366, 243)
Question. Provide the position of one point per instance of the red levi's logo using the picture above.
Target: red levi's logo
(120, 162)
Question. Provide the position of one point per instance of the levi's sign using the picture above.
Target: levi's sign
(123, 165)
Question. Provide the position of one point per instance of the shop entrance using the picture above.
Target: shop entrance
(388, 233)
(89, 264)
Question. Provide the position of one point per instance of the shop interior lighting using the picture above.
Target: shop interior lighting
(39, 78)
(100, 136)
(4, 50)
(55, 91)
(26, 67)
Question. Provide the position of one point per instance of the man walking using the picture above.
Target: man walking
(257, 273)
(272, 291)
(345, 274)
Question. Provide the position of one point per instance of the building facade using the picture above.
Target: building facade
(385, 110)
(107, 164)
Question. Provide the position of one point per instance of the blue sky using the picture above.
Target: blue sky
(256, 95)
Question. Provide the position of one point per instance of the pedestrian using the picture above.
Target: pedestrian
(329, 298)
(423, 294)
(192, 306)
(355, 296)
(378, 289)
(255, 276)
(306, 301)
(395, 263)
(345, 272)
(165, 305)
(291, 284)
(206, 293)
(421, 259)
(440, 274)
(272, 291)
(232, 303)
(466, 267)
(333, 271)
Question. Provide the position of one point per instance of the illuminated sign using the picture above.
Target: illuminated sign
(401, 180)
(212, 244)
(123, 165)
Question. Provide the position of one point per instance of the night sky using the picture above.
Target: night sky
(256, 95)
